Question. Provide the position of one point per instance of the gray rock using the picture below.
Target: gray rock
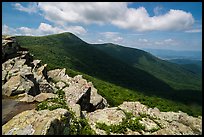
(27, 98)
(73, 93)
(107, 115)
(60, 85)
(97, 100)
(8, 65)
(134, 107)
(44, 96)
(34, 122)
(59, 75)
(76, 108)
(83, 93)
(16, 85)
(40, 73)
(148, 124)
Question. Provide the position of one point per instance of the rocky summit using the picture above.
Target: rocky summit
(72, 105)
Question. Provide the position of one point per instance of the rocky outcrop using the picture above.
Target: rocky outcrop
(34, 122)
(154, 121)
(17, 85)
(77, 91)
(9, 47)
(22, 74)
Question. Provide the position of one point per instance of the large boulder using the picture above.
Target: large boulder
(73, 93)
(107, 115)
(59, 75)
(97, 101)
(34, 122)
(134, 107)
(16, 85)
(83, 93)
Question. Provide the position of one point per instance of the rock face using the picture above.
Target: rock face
(9, 47)
(22, 74)
(16, 85)
(87, 96)
(30, 80)
(34, 122)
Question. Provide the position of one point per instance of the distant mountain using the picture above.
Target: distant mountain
(120, 73)
(173, 74)
(194, 66)
(172, 54)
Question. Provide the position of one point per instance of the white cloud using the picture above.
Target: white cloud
(86, 12)
(113, 37)
(43, 29)
(139, 19)
(193, 31)
(157, 10)
(116, 13)
(31, 8)
(167, 42)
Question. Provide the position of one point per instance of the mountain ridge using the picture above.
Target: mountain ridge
(84, 58)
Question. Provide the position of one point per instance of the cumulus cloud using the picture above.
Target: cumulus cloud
(86, 12)
(43, 29)
(115, 13)
(31, 8)
(139, 19)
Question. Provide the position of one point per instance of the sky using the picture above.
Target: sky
(144, 25)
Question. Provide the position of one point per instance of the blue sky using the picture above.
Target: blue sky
(143, 25)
